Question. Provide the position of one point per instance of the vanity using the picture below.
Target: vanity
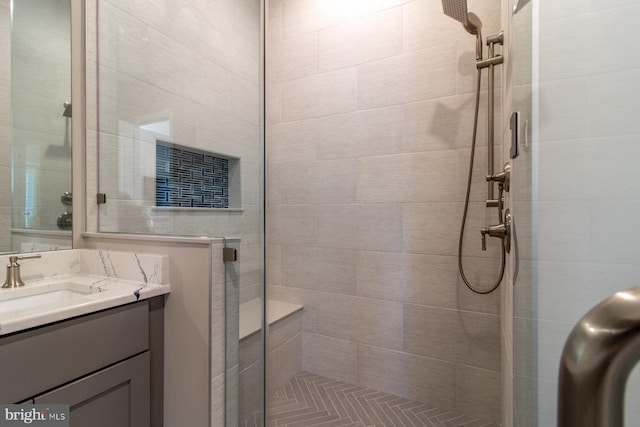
(87, 330)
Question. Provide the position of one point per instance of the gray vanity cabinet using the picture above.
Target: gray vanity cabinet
(117, 396)
(106, 366)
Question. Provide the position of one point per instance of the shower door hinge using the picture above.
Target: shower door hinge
(229, 254)
(102, 198)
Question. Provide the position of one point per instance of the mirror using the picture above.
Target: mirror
(35, 125)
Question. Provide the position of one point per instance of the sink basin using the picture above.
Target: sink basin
(45, 300)
(30, 298)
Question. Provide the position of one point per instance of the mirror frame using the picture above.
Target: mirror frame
(78, 124)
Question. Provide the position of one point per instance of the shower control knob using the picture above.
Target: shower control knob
(500, 231)
(503, 177)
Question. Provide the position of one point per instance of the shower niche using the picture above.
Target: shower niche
(190, 178)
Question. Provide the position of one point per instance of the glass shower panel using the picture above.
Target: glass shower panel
(524, 335)
(180, 147)
(576, 199)
(179, 116)
(244, 347)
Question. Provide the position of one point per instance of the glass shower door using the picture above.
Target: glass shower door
(576, 200)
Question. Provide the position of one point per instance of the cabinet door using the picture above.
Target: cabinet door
(117, 396)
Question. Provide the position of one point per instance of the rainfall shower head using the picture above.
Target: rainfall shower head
(457, 9)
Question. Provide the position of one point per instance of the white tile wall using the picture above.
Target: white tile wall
(334, 92)
(408, 278)
(323, 182)
(292, 142)
(564, 109)
(352, 226)
(403, 374)
(612, 118)
(293, 58)
(372, 321)
(405, 78)
(336, 358)
(443, 124)
(360, 134)
(284, 362)
(379, 181)
(463, 337)
(329, 269)
(479, 389)
(362, 40)
(428, 228)
(302, 16)
(291, 224)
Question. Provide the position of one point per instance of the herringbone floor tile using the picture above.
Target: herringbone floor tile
(310, 400)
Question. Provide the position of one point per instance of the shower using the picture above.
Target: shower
(457, 9)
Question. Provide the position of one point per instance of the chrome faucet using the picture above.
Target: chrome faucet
(13, 279)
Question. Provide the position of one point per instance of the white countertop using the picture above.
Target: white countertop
(87, 294)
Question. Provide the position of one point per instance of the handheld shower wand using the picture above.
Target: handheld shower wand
(457, 9)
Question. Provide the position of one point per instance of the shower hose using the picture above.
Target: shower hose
(466, 202)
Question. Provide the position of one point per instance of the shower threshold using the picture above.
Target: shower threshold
(312, 400)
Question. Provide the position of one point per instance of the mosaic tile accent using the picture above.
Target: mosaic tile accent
(186, 178)
(312, 400)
